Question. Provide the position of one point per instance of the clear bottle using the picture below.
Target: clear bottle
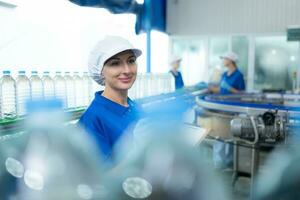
(166, 84)
(51, 157)
(8, 96)
(36, 86)
(79, 92)
(95, 88)
(148, 85)
(132, 91)
(138, 86)
(60, 88)
(171, 83)
(23, 92)
(70, 90)
(48, 85)
(87, 87)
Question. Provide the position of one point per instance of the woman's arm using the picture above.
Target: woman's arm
(214, 89)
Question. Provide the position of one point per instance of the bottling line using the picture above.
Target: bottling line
(253, 123)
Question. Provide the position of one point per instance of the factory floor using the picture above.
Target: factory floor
(241, 190)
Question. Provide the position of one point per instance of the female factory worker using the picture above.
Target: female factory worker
(232, 80)
(112, 63)
(175, 64)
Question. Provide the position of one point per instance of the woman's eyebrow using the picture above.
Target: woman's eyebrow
(133, 56)
(114, 59)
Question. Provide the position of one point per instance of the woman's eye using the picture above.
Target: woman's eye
(115, 63)
(131, 61)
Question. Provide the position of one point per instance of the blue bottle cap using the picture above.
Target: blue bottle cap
(6, 72)
(21, 72)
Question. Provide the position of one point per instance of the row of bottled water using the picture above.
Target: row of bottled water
(152, 84)
(74, 90)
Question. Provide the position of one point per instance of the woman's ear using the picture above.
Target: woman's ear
(102, 78)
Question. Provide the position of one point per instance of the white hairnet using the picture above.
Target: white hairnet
(105, 49)
(231, 56)
(174, 58)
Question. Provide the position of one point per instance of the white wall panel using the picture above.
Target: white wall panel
(194, 17)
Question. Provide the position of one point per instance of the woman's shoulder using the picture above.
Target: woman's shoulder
(93, 111)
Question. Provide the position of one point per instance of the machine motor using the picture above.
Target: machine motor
(269, 127)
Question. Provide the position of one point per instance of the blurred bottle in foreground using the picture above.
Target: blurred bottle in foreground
(282, 179)
(51, 161)
(8, 96)
(165, 168)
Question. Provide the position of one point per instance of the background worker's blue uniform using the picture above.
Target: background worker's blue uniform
(234, 80)
(107, 121)
(223, 153)
(178, 80)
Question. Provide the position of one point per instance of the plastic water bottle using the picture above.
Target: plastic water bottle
(79, 92)
(165, 83)
(48, 86)
(95, 88)
(50, 157)
(70, 90)
(8, 96)
(36, 86)
(139, 86)
(171, 83)
(87, 87)
(60, 88)
(148, 85)
(23, 92)
(132, 91)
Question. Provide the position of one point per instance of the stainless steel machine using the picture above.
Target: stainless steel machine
(253, 123)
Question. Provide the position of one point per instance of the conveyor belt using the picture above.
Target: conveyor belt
(251, 103)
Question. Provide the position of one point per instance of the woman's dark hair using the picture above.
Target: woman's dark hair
(234, 63)
(117, 55)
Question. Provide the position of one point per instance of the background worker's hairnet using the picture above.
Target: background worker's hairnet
(105, 49)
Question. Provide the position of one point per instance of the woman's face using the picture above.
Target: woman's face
(120, 71)
(176, 65)
(226, 62)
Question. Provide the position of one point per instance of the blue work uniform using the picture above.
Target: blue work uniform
(107, 121)
(178, 80)
(234, 80)
(223, 153)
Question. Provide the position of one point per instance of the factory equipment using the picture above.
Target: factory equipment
(268, 127)
(253, 123)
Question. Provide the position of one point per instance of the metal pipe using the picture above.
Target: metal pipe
(148, 32)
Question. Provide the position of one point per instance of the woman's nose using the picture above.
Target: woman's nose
(127, 68)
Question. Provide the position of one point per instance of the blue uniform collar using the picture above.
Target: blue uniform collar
(111, 105)
(233, 73)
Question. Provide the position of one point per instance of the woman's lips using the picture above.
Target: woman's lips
(125, 80)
